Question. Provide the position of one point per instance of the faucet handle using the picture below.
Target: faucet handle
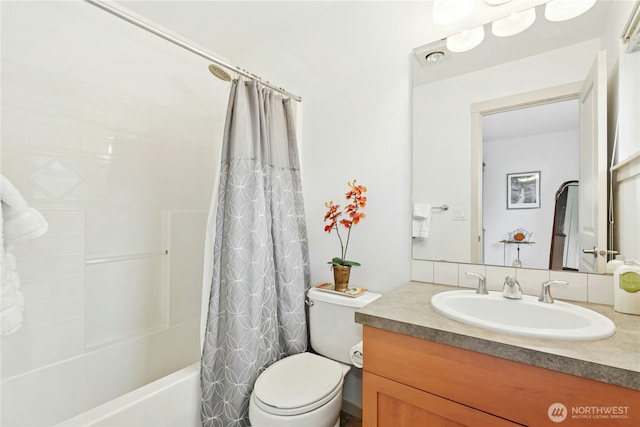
(511, 288)
(545, 292)
(482, 287)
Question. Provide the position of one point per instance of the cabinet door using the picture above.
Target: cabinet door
(387, 403)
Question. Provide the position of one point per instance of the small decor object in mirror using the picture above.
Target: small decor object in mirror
(519, 235)
(523, 190)
(357, 201)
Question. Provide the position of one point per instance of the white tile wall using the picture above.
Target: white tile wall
(577, 288)
(445, 273)
(600, 289)
(51, 270)
(422, 271)
(124, 299)
(186, 264)
(594, 288)
(531, 280)
(104, 167)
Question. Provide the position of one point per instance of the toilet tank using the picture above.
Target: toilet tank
(332, 323)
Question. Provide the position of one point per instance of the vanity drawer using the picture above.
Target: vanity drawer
(399, 405)
(508, 389)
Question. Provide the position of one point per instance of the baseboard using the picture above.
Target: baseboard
(352, 409)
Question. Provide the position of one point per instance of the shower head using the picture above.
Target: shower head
(219, 73)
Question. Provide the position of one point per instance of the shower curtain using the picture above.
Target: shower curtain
(259, 267)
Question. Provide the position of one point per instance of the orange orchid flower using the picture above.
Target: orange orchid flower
(357, 201)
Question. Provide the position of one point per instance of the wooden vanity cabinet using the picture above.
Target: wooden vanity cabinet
(411, 382)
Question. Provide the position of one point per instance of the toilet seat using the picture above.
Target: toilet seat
(298, 384)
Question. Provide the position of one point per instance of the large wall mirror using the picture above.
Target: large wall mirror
(497, 139)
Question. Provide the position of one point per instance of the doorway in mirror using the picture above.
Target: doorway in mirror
(544, 138)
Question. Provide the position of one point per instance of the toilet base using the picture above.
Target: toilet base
(327, 415)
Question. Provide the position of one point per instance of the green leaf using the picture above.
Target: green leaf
(340, 261)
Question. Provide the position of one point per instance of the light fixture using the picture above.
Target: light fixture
(514, 23)
(447, 12)
(434, 56)
(466, 40)
(562, 10)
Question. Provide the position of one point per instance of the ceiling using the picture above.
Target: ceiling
(227, 28)
(232, 29)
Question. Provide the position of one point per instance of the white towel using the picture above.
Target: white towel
(421, 220)
(18, 222)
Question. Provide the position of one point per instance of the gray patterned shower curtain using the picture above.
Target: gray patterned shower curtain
(259, 267)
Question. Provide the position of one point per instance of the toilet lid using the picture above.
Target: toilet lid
(298, 381)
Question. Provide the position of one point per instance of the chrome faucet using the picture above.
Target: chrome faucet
(545, 293)
(511, 288)
(482, 287)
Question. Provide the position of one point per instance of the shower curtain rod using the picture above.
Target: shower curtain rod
(183, 44)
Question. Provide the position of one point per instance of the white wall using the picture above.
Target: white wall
(104, 132)
(354, 76)
(355, 81)
(624, 116)
(627, 194)
(442, 128)
(555, 156)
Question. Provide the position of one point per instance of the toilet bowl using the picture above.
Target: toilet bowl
(305, 390)
(298, 391)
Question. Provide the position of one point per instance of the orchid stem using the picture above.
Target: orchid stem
(344, 254)
(342, 249)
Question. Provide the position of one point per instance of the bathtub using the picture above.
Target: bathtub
(113, 385)
(173, 400)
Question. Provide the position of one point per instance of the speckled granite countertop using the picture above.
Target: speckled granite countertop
(615, 360)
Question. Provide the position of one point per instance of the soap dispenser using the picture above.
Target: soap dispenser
(615, 263)
(626, 288)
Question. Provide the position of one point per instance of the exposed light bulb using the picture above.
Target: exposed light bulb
(466, 40)
(447, 12)
(514, 23)
(434, 56)
(562, 10)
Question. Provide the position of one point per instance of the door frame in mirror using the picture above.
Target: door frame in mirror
(478, 110)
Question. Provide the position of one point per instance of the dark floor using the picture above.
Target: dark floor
(347, 420)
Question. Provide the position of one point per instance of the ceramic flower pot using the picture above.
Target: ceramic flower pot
(341, 277)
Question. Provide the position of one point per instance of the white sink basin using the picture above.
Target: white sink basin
(525, 317)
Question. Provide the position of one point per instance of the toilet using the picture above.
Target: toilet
(305, 390)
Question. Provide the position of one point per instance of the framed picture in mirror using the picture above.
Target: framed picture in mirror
(523, 190)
